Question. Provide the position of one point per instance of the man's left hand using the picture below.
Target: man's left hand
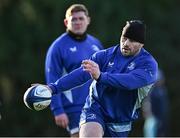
(91, 67)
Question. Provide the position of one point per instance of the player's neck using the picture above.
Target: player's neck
(76, 36)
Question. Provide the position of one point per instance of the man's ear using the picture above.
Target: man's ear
(65, 22)
(89, 20)
(141, 45)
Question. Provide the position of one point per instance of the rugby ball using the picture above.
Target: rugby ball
(37, 97)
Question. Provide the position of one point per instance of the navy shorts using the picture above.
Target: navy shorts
(73, 126)
(110, 129)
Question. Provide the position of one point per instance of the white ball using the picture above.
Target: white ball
(37, 97)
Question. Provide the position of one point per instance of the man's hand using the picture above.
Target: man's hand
(62, 120)
(91, 67)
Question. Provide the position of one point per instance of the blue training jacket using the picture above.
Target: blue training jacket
(66, 53)
(123, 83)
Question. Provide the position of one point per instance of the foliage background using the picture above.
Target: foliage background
(28, 27)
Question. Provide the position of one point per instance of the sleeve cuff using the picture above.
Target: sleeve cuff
(58, 111)
(102, 78)
(99, 78)
(53, 88)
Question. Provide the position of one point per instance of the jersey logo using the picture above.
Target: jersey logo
(95, 48)
(73, 49)
(131, 66)
(110, 64)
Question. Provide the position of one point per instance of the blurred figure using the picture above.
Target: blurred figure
(155, 110)
(66, 53)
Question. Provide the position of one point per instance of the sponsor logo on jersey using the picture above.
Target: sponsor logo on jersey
(73, 49)
(131, 66)
(110, 64)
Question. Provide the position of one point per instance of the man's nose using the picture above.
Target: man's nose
(78, 20)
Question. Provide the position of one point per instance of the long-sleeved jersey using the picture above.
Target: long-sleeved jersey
(123, 83)
(67, 53)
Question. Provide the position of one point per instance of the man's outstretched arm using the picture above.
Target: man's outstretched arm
(74, 79)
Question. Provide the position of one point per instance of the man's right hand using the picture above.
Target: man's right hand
(62, 120)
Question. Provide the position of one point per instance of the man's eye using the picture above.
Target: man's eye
(74, 19)
(81, 18)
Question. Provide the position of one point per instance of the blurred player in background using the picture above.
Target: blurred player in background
(66, 53)
(122, 76)
(156, 110)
